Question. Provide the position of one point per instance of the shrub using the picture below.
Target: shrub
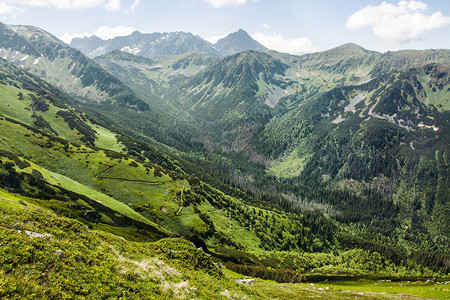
(278, 275)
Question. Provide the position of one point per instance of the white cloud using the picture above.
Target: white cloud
(103, 32)
(6, 9)
(69, 4)
(113, 5)
(106, 32)
(403, 22)
(213, 39)
(265, 26)
(67, 37)
(279, 43)
(223, 3)
(133, 6)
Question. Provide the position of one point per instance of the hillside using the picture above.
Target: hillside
(68, 260)
(152, 75)
(279, 119)
(125, 175)
(379, 138)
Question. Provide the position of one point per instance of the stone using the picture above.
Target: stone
(245, 281)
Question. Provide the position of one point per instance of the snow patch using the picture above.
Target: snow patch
(24, 58)
(36, 61)
(134, 50)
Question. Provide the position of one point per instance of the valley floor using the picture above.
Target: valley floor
(364, 289)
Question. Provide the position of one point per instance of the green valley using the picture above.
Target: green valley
(175, 176)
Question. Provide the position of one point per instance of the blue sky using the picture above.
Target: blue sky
(295, 26)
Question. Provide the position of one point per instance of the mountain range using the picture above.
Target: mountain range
(172, 43)
(258, 157)
(46, 56)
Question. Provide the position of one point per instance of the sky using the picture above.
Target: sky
(292, 26)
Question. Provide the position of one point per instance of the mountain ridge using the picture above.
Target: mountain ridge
(157, 44)
(48, 57)
(147, 44)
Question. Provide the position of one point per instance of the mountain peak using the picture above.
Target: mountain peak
(95, 38)
(237, 42)
(240, 31)
(349, 49)
(136, 33)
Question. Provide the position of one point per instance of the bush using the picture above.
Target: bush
(278, 275)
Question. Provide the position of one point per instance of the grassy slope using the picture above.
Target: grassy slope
(119, 182)
(95, 174)
(75, 170)
(97, 265)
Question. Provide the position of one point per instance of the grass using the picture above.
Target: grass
(397, 288)
(20, 110)
(361, 289)
(438, 98)
(223, 223)
(106, 139)
(347, 290)
(292, 164)
(122, 184)
(65, 182)
(96, 265)
(12, 106)
(72, 172)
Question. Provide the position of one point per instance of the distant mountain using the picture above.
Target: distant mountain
(45, 56)
(149, 78)
(146, 44)
(88, 45)
(163, 44)
(223, 85)
(236, 42)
